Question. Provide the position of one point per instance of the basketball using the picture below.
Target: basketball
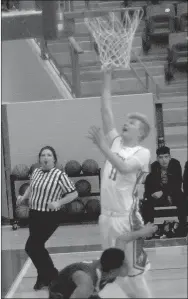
(23, 188)
(73, 168)
(76, 207)
(20, 171)
(93, 206)
(22, 211)
(33, 167)
(83, 187)
(90, 167)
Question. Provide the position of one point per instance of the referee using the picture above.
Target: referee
(49, 189)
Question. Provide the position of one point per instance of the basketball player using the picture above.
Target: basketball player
(127, 164)
(81, 280)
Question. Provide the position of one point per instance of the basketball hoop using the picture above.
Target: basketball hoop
(114, 36)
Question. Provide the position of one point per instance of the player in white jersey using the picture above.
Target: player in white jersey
(127, 164)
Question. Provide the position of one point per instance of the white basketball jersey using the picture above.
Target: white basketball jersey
(117, 189)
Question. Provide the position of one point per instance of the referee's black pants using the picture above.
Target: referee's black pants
(41, 226)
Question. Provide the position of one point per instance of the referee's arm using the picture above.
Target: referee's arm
(69, 190)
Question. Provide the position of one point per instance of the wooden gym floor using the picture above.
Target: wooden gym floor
(167, 277)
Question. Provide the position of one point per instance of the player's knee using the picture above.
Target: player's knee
(87, 286)
(84, 283)
(54, 295)
(83, 291)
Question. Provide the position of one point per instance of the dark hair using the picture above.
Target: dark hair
(163, 150)
(112, 258)
(51, 149)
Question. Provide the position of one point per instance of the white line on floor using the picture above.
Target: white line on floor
(76, 253)
(18, 279)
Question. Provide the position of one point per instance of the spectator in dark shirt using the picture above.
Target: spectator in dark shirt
(163, 187)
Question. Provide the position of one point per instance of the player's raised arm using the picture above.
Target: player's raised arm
(106, 108)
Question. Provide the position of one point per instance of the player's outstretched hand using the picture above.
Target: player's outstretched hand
(97, 136)
(148, 230)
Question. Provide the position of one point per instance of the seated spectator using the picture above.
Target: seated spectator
(185, 180)
(163, 187)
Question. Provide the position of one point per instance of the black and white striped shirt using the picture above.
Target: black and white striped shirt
(47, 187)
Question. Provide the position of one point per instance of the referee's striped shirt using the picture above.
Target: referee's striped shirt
(47, 187)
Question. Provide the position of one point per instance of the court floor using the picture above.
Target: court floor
(167, 277)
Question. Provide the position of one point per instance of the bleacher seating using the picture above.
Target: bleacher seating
(182, 16)
(159, 23)
(161, 213)
(177, 54)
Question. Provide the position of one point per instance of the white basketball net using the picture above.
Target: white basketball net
(114, 37)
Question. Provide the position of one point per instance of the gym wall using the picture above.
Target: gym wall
(64, 125)
(4, 197)
(24, 78)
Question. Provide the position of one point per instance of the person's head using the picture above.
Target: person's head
(163, 156)
(113, 263)
(136, 128)
(47, 157)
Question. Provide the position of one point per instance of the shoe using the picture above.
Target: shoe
(165, 230)
(163, 237)
(39, 285)
(175, 226)
(157, 234)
